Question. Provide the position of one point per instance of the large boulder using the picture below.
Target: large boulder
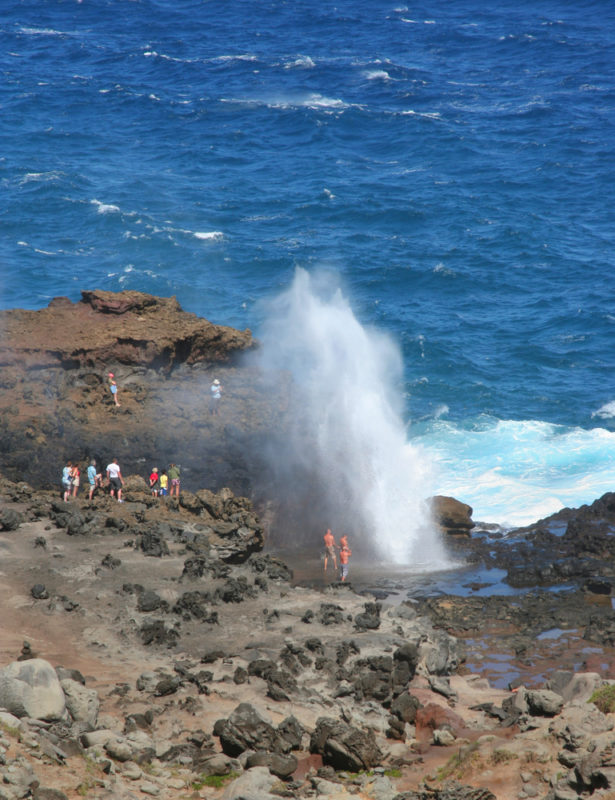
(246, 729)
(31, 689)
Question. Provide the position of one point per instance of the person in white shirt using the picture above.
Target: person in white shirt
(114, 475)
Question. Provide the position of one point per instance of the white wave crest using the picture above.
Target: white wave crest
(302, 62)
(105, 208)
(210, 236)
(377, 75)
(607, 411)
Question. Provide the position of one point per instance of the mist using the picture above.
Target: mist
(341, 458)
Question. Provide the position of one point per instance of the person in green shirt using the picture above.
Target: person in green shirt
(173, 473)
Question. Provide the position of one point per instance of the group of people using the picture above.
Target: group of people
(71, 479)
(344, 552)
(159, 481)
(215, 391)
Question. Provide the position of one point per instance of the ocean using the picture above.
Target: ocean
(447, 166)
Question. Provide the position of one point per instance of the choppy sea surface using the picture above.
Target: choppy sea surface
(450, 163)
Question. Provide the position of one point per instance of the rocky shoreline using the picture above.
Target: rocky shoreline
(155, 649)
(163, 649)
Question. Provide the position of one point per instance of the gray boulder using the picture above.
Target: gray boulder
(254, 784)
(31, 689)
(82, 703)
(544, 702)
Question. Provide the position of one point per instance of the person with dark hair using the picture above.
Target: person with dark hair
(114, 474)
(173, 473)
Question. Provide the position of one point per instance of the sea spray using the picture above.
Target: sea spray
(343, 460)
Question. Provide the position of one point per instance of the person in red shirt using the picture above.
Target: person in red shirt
(153, 482)
(345, 553)
(330, 549)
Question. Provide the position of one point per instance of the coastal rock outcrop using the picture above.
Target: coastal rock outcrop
(55, 403)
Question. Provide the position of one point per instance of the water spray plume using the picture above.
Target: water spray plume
(343, 460)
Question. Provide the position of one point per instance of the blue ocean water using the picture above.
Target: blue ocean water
(451, 163)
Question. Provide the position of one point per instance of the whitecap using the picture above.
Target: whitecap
(105, 208)
(607, 411)
(328, 193)
(41, 31)
(302, 62)
(377, 75)
(209, 235)
(42, 177)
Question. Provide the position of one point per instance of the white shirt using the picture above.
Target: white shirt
(113, 469)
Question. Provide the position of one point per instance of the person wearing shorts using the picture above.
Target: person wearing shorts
(173, 473)
(116, 481)
(75, 480)
(330, 549)
(164, 484)
(66, 481)
(345, 553)
(94, 478)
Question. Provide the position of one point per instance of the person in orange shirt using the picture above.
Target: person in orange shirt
(330, 549)
(345, 553)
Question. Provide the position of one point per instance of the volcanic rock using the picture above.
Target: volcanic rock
(453, 516)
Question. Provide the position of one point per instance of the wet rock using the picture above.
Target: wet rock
(344, 747)
(454, 517)
(39, 592)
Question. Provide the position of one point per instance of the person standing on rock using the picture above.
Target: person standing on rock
(164, 483)
(216, 396)
(330, 549)
(75, 476)
(66, 480)
(94, 478)
(113, 388)
(154, 480)
(345, 553)
(173, 473)
(114, 475)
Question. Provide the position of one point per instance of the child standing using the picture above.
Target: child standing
(154, 481)
(164, 484)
